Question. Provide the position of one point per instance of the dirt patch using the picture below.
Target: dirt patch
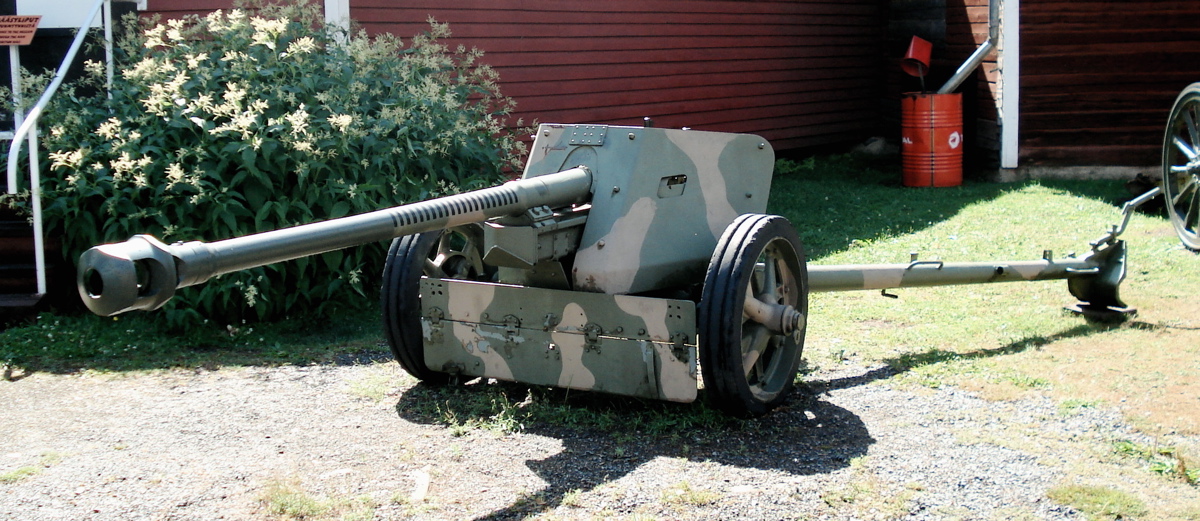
(357, 442)
(1149, 368)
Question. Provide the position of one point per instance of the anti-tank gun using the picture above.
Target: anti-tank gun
(626, 260)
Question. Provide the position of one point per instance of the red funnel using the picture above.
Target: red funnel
(916, 60)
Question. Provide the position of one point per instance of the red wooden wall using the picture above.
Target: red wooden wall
(800, 73)
(1099, 77)
(178, 8)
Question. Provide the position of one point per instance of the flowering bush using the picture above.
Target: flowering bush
(232, 124)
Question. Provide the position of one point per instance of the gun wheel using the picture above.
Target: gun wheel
(450, 254)
(1181, 166)
(749, 367)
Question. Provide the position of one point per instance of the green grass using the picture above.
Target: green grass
(62, 343)
(503, 408)
(19, 474)
(849, 210)
(45, 461)
(684, 495)
(1004, 340)
(288, 500)
(1009, 340)
(848, 203)
(1165, 461)
(1098, 502)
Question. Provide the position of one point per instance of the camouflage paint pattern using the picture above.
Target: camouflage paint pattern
(853, 277)
(660, 198)
(618, 344)
(643, 213)
(108, 275)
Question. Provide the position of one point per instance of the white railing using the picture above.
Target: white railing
(27, 126)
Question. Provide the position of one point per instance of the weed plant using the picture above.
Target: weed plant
(236, 123)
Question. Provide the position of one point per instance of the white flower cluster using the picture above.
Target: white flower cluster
(266, 31)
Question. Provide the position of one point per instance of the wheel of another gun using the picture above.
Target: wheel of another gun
(748, 368)
(1181, 166)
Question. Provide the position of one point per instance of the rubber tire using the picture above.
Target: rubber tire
(1189, 96)
(400, 299)
(721, 320)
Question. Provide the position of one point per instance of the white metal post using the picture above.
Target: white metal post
(36, 112)
(35, 198)
(108, 46)
(337, 14)
(14, 62)
(39, 250)
(27, 128)
(1010, 85)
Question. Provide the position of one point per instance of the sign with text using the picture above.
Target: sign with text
(18, 30)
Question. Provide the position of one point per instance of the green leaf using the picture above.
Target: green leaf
(340, 209)
(238, 183)
(257, 194)
(260, 218)
(333, 260)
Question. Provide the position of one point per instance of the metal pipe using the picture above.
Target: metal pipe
(143, 273)
(108, 47)
(36, 112)
(1129, 207)
(35, 201)
(977, 57)
(937, 273)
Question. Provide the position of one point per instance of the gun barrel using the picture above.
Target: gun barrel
(143, 273)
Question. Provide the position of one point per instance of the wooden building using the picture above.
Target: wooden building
(1098, 78)
(1089, 82)
(800, 73)
(1078, 87)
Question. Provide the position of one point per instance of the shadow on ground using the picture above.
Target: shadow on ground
(910, 361)
(806, 436)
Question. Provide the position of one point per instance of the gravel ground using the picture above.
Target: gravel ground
(207, 444)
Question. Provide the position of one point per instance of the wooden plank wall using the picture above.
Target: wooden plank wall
(800, 73)
(1098, 78)
(178, 8)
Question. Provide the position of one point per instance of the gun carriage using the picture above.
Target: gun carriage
(628, 260)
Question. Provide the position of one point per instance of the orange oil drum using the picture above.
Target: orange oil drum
(931, 139)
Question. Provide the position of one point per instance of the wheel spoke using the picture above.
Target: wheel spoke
(457, 255)
(1185, 148)
(1189, 119)
(1189, 221)
(788, 285)
(1185, 190)
(753, 347)
(770, 278)
(432, 269)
